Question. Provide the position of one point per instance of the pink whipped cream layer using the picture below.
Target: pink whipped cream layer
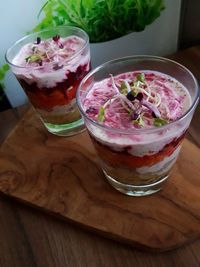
(49, 61)
(56, 50)
(159, 99)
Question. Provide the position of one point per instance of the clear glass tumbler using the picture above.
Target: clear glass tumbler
(51, 87)
(137, 162)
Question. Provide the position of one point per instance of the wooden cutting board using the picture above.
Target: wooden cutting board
(61, 176)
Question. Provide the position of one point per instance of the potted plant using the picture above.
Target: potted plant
(110, 24)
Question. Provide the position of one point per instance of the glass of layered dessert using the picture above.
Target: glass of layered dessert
(49, 65)
(137, 111)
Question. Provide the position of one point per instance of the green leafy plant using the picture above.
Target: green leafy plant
(103, 20)
(3, 70)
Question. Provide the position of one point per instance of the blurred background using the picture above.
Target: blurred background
(178, 27)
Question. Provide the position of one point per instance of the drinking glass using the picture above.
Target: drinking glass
(51, 87)
(137, 162)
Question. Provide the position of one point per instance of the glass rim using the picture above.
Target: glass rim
(136, 131)
(43, 31)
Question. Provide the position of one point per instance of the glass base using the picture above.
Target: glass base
(66, 129)
(139, 190)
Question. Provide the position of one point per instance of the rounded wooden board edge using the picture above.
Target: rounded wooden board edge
(100, 233)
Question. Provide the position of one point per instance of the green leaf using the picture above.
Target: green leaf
(133, 92)
(159, 122)
(141, 77)
(123, 88)
(4, 68)
(101, 114)
(139, 122)
(33, 58)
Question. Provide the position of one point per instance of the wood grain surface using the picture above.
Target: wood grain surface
(29, 237)
(62, 176)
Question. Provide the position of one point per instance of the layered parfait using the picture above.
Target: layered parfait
(132, 129)
(50, 71)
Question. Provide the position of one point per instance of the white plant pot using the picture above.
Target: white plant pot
(160, 38)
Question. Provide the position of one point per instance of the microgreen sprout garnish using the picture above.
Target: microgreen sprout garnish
(33, 58)
(159, 122)
(138, 98)
(141, 77)
(34, 48)
(135, 116)
(123, 88)
(38, 41)
(56, 38)
(114, 85)
(151, 107)
(131, 95)
(61, 46)
(139, 121)
(50, 50)
(101, 114)
(153, 115)
(127, 85)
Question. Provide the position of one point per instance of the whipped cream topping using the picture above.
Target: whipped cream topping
(125, 102)
(47, 62)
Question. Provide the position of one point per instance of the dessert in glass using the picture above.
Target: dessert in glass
(49, 65)
(137, 111)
